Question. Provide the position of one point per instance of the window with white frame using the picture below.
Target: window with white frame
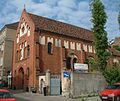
(57, 42)
(66, 44)
(49, 39)
(90, 48)
(42, 40)
(72, 45)
(78, 46)
(85, 47)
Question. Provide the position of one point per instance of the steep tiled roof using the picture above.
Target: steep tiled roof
(12, 25)
(61, 28)
(114, 52)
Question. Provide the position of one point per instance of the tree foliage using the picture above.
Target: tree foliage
(99, 19)
(93, 65)
(116, 47)
(112, 75)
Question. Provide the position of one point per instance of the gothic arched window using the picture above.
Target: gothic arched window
(50, 48)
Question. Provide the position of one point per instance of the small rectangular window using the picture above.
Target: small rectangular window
(50, 48)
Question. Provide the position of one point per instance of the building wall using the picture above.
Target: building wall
(114, 60)
(11, 34)
(6, 38)
(8, 49)
(39, 60)
(8, 53)
(86, 84)
(56, 61)
(26, 61)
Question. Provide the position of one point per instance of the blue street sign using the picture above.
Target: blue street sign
(66, 74)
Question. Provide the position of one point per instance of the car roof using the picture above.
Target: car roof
(4, 90)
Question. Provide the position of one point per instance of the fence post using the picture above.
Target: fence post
(72, 85)
(62, 82)
(65, 84)
(48, 81)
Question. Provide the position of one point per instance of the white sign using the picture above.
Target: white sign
(79, 66)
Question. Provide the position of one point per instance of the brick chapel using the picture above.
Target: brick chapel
(43, 44)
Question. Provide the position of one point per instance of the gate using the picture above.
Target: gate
(55, 88)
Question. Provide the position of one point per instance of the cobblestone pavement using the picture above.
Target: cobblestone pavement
(39, 97)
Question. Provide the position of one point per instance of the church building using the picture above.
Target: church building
(43, 44)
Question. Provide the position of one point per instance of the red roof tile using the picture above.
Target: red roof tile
(114, 52)
(61, 28)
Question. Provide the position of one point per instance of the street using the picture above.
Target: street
(25, 96)
(39, 97)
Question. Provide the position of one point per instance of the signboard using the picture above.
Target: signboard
(66, 74)
(79, 66)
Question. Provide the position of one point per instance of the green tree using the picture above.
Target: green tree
(99, 19)
(116, 47)
(112, 75)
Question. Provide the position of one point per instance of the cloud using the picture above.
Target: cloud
(112, 24)
(76, 12)
(112, 4)
(73, 14)
(84, 5)
(67, 3)
(51, 2)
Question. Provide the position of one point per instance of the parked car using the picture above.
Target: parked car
(5, 95)
(111, 93)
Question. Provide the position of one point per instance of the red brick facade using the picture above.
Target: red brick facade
(31, 57)
(38, 61)
(20, 66)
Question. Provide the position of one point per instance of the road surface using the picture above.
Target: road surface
(27, 96)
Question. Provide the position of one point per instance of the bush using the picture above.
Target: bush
(112, 75)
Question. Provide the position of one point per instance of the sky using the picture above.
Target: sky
(75, 12)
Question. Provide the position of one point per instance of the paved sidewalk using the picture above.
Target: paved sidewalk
(39, 97)
(29, 96)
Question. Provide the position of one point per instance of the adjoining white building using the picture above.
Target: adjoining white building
(7, 36)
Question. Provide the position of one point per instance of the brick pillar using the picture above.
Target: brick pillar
(64, 55)
(66, 84)
(72, 85)
(83, 56)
